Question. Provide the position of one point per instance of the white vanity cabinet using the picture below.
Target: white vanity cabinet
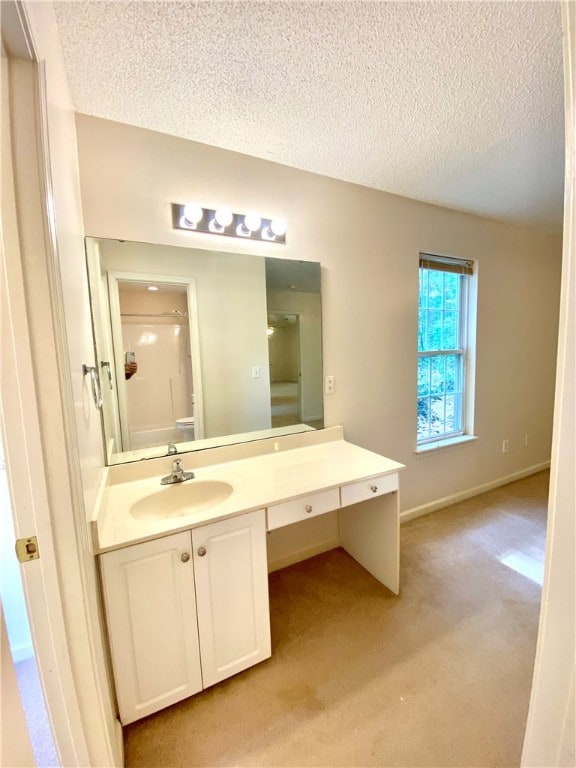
(232, 595)
(185, 611)
(151, 611)
(187, 603)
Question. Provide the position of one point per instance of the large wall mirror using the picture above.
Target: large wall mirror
(201, 348)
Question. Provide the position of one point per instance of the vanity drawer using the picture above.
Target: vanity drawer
(303, 508)
(367, 489)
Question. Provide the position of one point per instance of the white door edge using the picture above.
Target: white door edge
(61, 600)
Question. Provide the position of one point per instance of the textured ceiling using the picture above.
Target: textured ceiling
(454, 103)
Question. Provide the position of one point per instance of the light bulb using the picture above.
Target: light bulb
(193, 213)
(223, 217)
(279, 226)
(252, 222)
(152, 287)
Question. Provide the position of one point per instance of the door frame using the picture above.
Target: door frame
(41, 444)
(297, 313)
(25, 465)
(549, 738)
(117, 342)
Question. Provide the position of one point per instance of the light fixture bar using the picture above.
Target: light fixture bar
(222, 221)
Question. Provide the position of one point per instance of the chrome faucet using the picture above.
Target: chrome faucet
(172, 449)
(178, 475)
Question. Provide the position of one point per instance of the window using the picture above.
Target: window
(442, 347)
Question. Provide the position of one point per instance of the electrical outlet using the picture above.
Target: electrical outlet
(329, 385)
(505, 446)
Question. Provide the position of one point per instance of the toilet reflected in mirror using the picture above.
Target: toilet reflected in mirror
(186, 428)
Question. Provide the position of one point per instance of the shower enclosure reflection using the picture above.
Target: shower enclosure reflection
(227, 348)
(157, 362)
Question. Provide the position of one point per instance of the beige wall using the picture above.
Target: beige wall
(283, 353)
(368, 244)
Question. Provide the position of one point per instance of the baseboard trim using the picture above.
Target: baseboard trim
(119, 741)
(311, 417)
(302, 554)
(446, 501)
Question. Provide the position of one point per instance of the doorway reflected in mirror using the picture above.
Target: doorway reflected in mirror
(156, 339)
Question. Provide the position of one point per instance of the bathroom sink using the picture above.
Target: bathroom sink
(181, 499)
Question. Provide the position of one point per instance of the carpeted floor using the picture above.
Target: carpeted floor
(284, 403)
(439, 676)
(36, 716)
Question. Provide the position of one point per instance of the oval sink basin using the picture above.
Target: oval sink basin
(181, 499)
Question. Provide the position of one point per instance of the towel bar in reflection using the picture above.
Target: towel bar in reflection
(94, 384)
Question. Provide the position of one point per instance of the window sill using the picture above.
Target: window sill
(442, 445)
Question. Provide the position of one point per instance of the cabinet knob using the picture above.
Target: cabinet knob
(374, 488)
(308, 507)
(201, 551)
(184, 557)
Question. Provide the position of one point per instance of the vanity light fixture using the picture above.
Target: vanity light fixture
(249, 224)
(192, 214)
(219, 220)
(222, 221)
(277, 228)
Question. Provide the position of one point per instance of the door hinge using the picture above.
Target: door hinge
(27, 549)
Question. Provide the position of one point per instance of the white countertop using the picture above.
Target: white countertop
(258, 481)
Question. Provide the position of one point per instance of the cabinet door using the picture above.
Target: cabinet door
(151, 611)
(232, 595)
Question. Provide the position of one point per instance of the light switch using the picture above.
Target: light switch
(329, 385)
(256, 372)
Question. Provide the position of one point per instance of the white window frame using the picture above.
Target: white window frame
(465, 350)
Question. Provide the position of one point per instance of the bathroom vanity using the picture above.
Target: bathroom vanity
(184, 567)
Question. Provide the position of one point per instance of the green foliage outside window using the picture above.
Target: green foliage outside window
(439, 375)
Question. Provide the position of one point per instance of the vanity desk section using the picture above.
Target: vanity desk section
(186, 596)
